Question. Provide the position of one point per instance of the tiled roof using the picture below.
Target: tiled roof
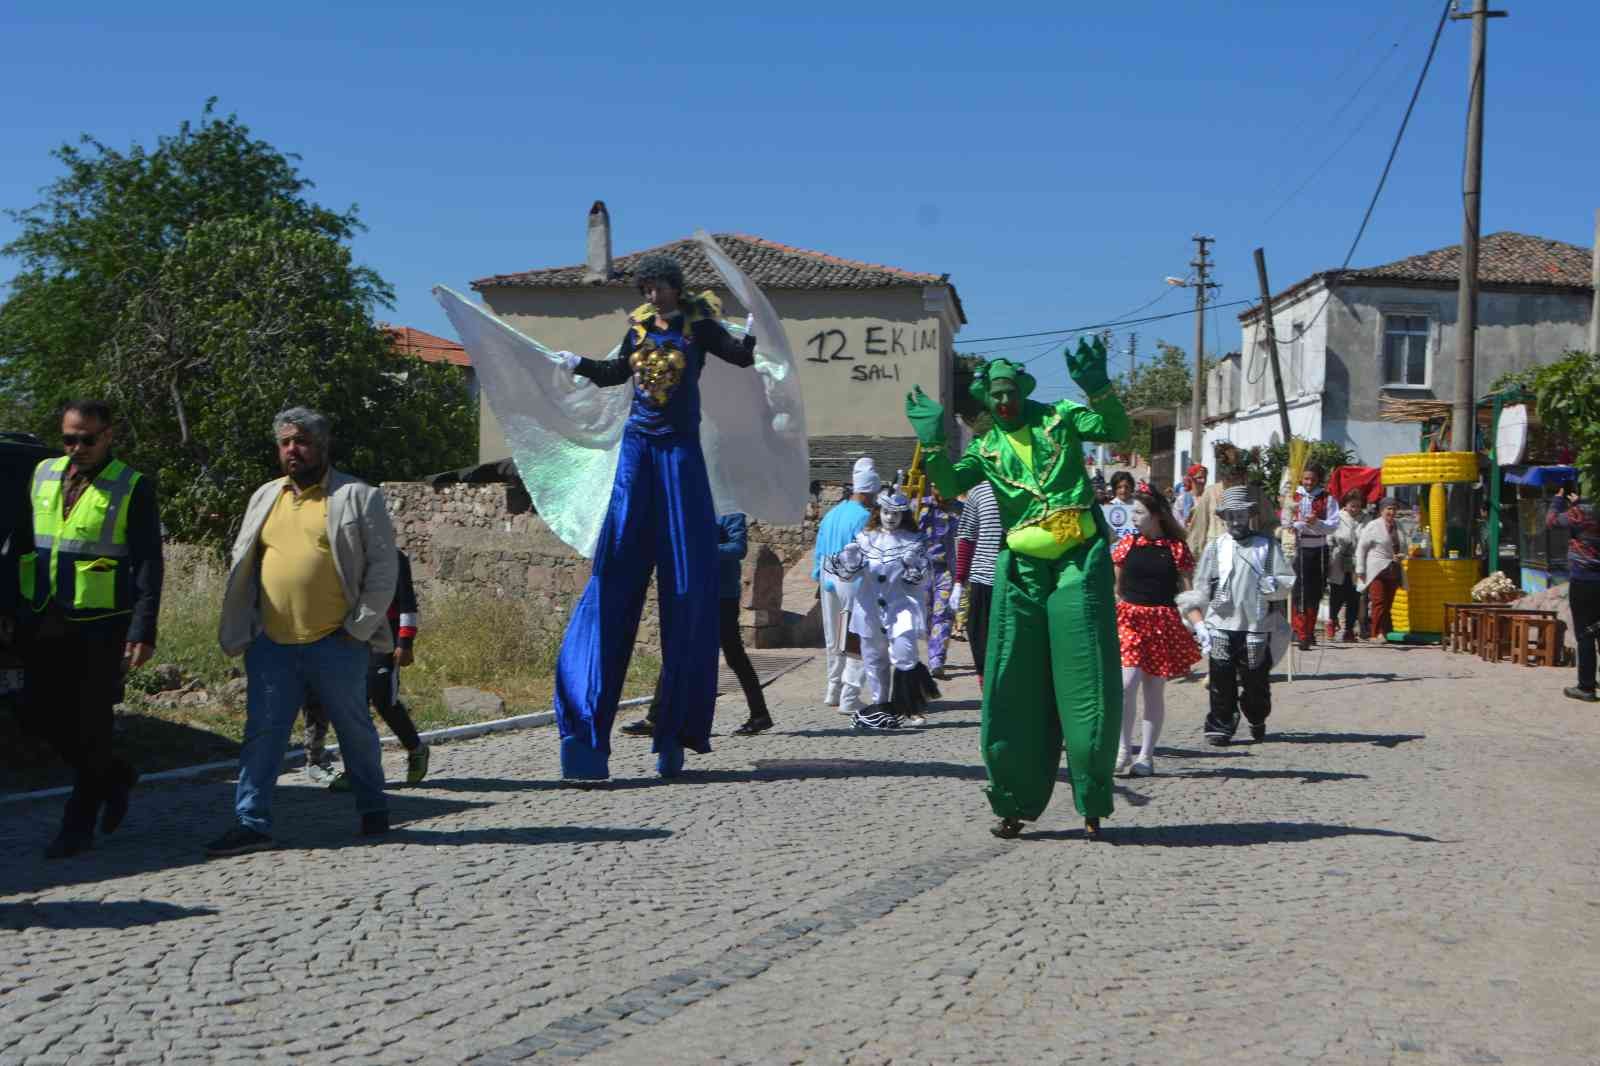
(769, 264)
(1504, 259)
(426, 346)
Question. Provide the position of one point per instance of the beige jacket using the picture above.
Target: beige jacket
(363, 555)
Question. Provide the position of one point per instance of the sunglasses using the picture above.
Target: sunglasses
(69, 440)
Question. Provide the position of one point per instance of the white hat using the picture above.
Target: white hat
(865, 476)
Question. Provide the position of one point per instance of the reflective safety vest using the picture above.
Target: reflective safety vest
(80, 560)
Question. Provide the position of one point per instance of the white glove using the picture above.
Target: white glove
(569, 361)
(955, 599)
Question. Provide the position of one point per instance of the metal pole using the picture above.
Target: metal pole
(1272, 342)
(1594, 280)
(1463, 420)
(1196, 415)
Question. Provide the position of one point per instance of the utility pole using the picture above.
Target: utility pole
(1594, 281)
(1133, 339)
(1272, 343)
(1196, 414)
(1464, 411)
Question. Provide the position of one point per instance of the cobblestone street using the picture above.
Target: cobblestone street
(1404, 872)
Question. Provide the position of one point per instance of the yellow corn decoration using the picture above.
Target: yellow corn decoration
(1431, 468)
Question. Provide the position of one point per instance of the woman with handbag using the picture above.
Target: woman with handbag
(1378, 570)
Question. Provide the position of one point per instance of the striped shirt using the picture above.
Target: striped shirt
(980, 524)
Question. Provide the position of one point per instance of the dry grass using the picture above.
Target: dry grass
(470, 639)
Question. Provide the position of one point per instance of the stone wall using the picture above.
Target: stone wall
(486, 538)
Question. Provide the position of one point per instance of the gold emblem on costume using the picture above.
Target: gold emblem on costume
(657, 370)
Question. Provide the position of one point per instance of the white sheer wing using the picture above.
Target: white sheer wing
(565, 432)
(754, 421)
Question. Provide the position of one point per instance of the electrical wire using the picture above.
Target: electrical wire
(1394, 150)
(1094, 326)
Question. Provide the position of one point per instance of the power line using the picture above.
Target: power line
(1394, 149)
(1094, 326)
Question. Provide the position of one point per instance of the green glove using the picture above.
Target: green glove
(927, 417)
(1088, 367)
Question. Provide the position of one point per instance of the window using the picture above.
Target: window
(1405, 350)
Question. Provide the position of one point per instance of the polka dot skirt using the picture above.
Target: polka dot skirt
(1155, 640)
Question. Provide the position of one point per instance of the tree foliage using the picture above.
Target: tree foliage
(1164, 382)
(197, 284)
(1567, 394)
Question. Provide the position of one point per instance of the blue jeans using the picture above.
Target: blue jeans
(334, 670)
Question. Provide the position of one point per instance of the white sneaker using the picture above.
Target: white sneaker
(832, 699)
(1145, 767)
(1124, 763)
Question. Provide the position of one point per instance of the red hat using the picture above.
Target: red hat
(1195, 470)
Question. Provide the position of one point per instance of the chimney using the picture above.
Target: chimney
(597, 265)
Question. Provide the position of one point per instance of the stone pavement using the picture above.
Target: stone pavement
(1405, 872)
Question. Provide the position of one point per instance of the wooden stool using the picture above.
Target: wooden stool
(1452, 620)
(1537, 641)
(1472, 623)
(1494, 635)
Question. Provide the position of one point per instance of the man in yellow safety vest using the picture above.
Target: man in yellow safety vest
(81, 595)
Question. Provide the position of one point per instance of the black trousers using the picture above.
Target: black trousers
(1584, 599)
(383, 692)
(72, 681)
(979, 599)
(736, 657)
(1344, 597)
(1229, 673)
(1310, 579)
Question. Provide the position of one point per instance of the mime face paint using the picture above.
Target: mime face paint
(890, 519)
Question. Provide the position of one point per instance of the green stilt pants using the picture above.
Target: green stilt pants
(1053, 671)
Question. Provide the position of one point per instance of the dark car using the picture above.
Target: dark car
(19, 454)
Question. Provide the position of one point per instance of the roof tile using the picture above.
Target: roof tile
(768, 263)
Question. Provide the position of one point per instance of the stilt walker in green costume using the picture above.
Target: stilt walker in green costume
(1053, 670)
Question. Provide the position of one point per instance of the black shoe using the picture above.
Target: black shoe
(1218, 740)
(1007, 829)
(938, 674)
(1303, 645)
(1258, 733)
(374, 823)
(1587, 695)
(117, 802)
(1091, 830)
(753, 726)
(239, 840)
(69, 842)
(642, 728)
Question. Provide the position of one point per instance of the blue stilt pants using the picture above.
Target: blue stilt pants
(661, 519)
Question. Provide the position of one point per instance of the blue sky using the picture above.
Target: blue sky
(1054, 160)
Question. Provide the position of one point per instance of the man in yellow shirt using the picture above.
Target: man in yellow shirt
(314, 570)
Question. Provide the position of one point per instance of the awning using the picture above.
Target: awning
(1542, 475)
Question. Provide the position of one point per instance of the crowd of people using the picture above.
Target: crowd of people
(1081, 603)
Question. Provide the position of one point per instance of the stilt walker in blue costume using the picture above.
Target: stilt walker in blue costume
(663, 498)
(661, 518)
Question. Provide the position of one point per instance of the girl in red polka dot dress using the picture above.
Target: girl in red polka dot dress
(1152, 566)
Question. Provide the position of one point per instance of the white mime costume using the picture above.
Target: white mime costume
(889, 614)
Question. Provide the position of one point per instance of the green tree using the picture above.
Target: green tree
(1567, 395)
(198, 284)
(1164, 382)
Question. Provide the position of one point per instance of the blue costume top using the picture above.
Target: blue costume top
(665, 366)
(733, 544)
(837, 529)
